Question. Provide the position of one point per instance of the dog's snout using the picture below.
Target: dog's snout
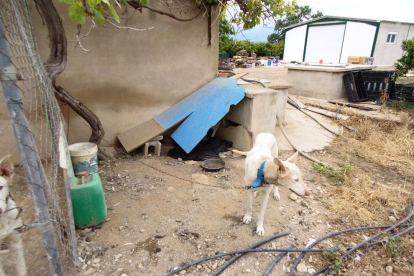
(307, 192)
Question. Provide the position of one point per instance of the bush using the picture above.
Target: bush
(406, 62)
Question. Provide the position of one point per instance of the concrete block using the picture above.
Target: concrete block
(156, 145)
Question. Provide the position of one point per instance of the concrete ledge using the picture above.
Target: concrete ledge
(330, 68)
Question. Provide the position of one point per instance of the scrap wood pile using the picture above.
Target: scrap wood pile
(336, 255)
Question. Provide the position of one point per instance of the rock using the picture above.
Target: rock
(256, 264)
(84, 266)
(124, 274)
(302, 268)
(118, 256)
(190, 162)
(392, 219)
(199, 267)
(142, 230)
(247, 270)
(89, 271)
(293, 196)
(183, 272)
(95, 261)
(180, 159)
(214, 266)
(311, 270)
(170, 188)
(304, 203)
(310, 259)
(208, 271)
(389, 269)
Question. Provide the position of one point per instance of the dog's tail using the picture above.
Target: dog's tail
(239, 153)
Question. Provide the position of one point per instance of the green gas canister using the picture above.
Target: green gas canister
(88, 200)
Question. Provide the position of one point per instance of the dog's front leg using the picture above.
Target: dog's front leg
(276, 194)
(260, 229)
(248, 216)
(19, 255)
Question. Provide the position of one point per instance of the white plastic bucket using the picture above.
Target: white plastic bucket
(84, 157)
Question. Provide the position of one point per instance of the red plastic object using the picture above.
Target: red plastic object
(83, 174)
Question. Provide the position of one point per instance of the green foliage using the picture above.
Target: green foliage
(300, 14)
(402, 106)
(77, 13)
(406, 62)
(334, 259)
(232, 46)
(337, 175)
(97, 9)
(226, 30)
(392, 246)
(252, 12)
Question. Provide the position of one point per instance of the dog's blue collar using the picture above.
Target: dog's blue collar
(260, 177)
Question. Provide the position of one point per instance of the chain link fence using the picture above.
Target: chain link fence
(32, 132)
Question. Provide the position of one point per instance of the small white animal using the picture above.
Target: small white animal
(275, 171)
(10, 219)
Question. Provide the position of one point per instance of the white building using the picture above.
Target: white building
(333, 39)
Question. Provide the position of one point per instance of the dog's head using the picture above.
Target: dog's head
(6, 175)
(287, 174)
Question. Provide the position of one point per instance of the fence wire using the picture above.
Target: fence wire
(45, 125)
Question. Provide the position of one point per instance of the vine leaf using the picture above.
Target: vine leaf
(77, 13)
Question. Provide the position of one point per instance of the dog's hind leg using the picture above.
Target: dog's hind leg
(276, 194)
(248, 216)
(260, 229)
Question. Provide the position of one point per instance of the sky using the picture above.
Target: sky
(395, 10)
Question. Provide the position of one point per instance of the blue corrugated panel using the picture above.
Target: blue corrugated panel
(204, 108)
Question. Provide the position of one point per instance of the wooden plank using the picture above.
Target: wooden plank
(327, 113)
(140, 134)
(353, 105)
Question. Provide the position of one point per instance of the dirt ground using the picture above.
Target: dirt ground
(157, 222)
(164, 213)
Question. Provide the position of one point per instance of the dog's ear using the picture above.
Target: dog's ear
(6, 166)
(293, 158)
(279, 163)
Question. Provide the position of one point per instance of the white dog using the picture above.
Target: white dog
(264, 154)
(10, 219)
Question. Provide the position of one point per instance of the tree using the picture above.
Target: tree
(406, 62)
(99, 12)
(302, 13)
(226, 30)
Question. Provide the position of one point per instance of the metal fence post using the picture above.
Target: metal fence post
(30, 157)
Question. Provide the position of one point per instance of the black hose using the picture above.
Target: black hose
(379, 234)
(238, 256)
(302, 255)
(358, 246)
(243, 251)
(274, 263)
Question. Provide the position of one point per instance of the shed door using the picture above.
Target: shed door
(324, 42)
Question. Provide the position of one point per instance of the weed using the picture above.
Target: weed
(334, 259)
(392, 245)
(328, 171)
(402, 106)
(313, 180)
(338, 175)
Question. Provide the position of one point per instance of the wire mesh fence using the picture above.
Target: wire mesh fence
(37, 234)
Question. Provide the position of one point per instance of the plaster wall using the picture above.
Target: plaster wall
(388, 54)
(317, 84)
(128, 77)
